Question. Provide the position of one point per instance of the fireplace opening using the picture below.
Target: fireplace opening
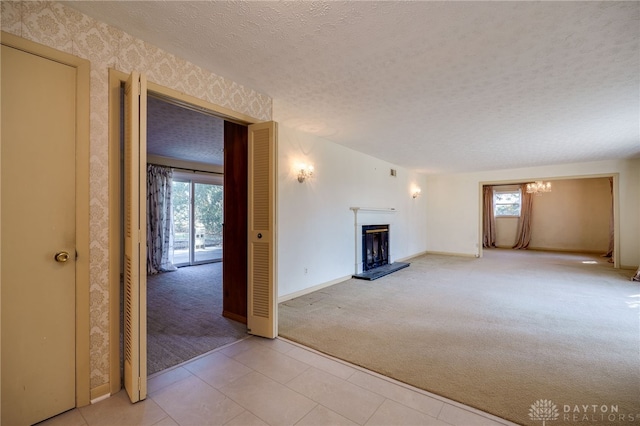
(375, 246)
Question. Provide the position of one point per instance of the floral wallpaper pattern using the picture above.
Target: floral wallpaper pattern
(58, 26)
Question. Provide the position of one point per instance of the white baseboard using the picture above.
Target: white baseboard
(448, 253)
(100, 398)
(406, 259)
(336, 281)
(99, 393)
(312, 289)
(566, 250)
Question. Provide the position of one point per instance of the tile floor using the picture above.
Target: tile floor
(273, 382)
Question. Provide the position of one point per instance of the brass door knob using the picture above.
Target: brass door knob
(61, 256)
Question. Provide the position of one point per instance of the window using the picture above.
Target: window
(506, 203)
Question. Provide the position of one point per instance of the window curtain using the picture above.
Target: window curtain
(159, 221)
(523, 233)
(488, 218)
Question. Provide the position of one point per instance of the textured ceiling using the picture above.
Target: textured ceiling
(431, 86)
(185, 134)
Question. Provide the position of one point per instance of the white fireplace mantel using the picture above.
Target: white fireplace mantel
(357, 235)
(373, 209)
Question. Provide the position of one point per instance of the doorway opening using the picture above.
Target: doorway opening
(246, 144)
(579, 214)
(185, 306)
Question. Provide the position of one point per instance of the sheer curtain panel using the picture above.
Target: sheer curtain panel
(159, 221)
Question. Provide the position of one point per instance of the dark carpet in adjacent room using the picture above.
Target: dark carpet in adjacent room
(498, 333)
(184, 316)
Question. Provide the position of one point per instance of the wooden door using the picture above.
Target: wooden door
(135, 248)
(38, 237)
(262, 318)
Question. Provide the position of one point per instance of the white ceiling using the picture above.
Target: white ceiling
(431, 86)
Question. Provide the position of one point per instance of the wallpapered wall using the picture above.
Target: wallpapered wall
(58, 26)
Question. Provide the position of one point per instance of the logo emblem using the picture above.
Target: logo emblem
(543, 409)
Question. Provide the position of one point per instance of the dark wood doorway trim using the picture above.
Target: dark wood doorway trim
(234, 234)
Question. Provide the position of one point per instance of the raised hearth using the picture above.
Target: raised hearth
(375, 253)
(381, 271)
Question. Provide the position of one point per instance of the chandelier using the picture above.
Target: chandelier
(538, 187)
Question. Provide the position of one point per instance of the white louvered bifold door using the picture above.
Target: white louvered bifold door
(262, 319)
(135, 247)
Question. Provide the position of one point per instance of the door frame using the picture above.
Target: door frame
(82, 278)
(615, 200)
(116, 249)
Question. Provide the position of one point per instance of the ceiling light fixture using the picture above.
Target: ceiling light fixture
(538, 187)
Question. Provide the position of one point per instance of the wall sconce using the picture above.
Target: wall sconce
(305, 171)
(416, 192)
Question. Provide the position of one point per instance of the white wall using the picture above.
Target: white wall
(506, 230)
(315, 225)
(453, 208)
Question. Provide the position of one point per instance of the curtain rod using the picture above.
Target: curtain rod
(189, 170)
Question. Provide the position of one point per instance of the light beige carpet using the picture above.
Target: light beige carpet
(498, 333)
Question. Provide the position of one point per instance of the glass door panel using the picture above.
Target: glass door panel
(197, 222)
(208, 210)
(181, 203)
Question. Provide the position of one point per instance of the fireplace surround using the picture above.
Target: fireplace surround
(372, 252)
(375, 246)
